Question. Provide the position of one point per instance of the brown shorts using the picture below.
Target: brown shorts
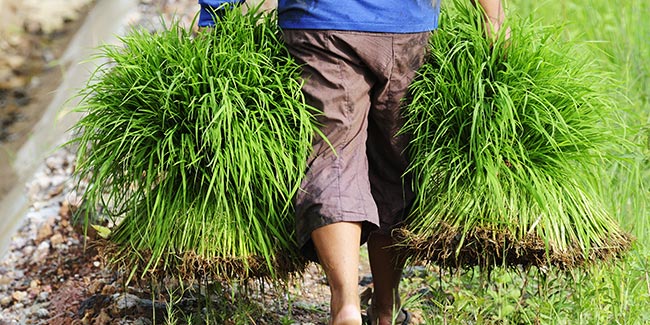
(358, 80)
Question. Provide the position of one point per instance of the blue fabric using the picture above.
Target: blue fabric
(388, 16)
(211, 9)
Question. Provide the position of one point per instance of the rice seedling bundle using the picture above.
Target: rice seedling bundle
(507, 149)
(194, 147)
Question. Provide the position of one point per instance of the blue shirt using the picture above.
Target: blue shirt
(389, 16)
(209, 8)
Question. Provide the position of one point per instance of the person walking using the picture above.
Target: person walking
(358, 59)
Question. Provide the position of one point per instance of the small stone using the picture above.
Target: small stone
(18, 274)
(57, 239)
(63, 212)
(95, 286)
(35, 82)
(45, 231)
(19, 295)
(142, 321)
(53, 210)
(15, 40)
(43, 296)
(126, 301)
(14, 81)
(42, 313)
(32, 27)
(57, 180)
(15, 62)
(54, 162)
(96, 263)
(109, 289)
(33, 292)
(5, 280)
(102, 318)
(42, 251)
(34, 284)
(28, 250)
(19, 242)
(5, 301)
(19, 306)
(55, 190)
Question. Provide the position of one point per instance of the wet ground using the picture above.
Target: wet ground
(59, 64)
(24, 96)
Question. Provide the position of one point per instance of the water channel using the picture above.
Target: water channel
(106, 20)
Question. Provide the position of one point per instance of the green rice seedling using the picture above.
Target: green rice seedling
(194, 147)
(506, 150)
(617, 34)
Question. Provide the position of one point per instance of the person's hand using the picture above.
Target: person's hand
(494, 18)
(493, 27)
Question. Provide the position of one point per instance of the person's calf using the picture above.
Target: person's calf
(337, 247)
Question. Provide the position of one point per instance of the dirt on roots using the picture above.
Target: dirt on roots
(490, 247)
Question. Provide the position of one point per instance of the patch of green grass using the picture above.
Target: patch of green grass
(601, 295)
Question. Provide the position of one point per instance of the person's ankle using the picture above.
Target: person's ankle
(346, 315)
(379, 315)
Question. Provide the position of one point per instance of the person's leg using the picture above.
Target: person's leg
(388, 164)
(337, 246)
(334, 207)
(386, 266)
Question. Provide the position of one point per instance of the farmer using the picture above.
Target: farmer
(358, 58)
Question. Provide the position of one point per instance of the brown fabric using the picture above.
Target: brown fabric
(358, 81)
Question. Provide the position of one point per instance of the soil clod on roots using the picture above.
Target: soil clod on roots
(488, 248)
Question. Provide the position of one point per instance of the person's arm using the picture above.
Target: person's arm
(494, 15)
(214, 9)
